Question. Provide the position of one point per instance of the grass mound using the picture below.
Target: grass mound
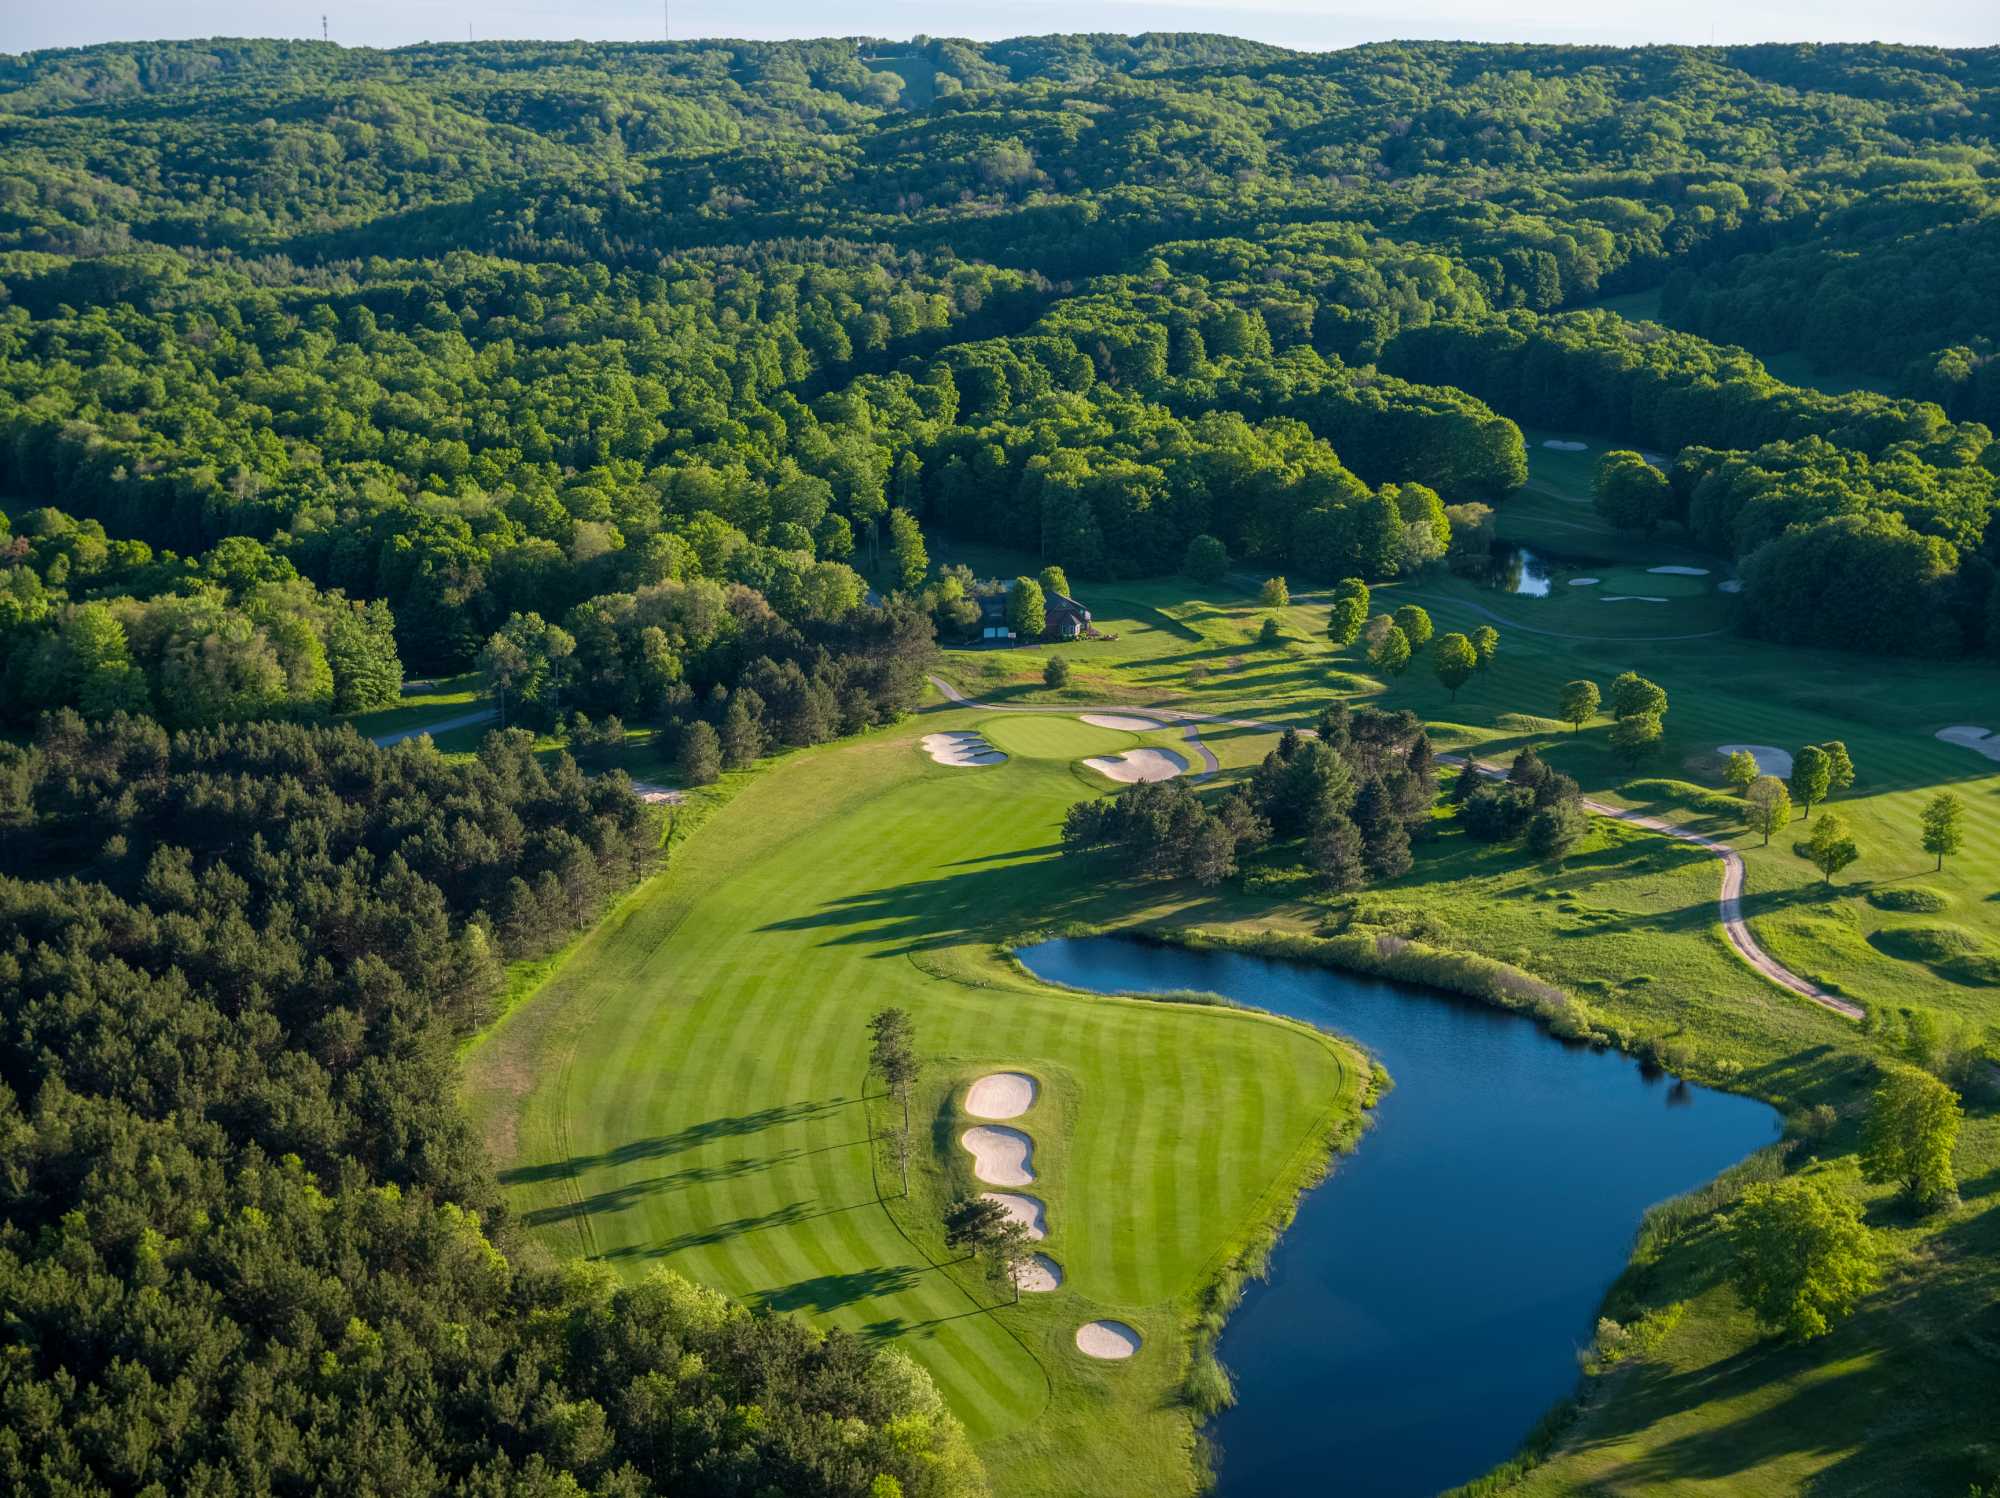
(1914, 898)
(1933, 944)
(1529, 723)
(1661, 791)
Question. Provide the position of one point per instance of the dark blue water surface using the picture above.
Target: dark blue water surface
(1425, 1309)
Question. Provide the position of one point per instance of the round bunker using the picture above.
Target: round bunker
(1026, 1210)
(1120, 720)
(1971, 736)
(1135, 765)
(1038, 1274)
(961, 749)
(1106, 1339)
(1000, 1157)
(1001, 1094)
(1770, 761)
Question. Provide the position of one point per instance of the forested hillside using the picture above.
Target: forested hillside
(661, 382)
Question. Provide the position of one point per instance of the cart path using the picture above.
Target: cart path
(444, 725)
(1729, 904)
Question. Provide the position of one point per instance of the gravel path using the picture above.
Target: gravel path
(1730, 904)
(446, 725)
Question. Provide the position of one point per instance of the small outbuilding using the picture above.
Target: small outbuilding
(993, 625)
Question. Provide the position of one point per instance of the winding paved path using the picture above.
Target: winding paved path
(1729, 904)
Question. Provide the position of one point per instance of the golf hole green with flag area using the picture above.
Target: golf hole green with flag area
(690, 1090)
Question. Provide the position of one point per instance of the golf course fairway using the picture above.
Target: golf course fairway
(689, 1089)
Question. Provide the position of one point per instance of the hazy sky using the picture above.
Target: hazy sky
(29, 24)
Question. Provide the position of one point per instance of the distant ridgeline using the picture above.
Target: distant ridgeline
(464, 336)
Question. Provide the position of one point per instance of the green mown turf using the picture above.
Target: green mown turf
(689, 1089)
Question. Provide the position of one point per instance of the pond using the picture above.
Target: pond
(1516, 569)
(1426, 1307)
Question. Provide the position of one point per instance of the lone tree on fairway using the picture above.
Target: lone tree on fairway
(1741, 771)
(892, 1052)
(1770, 805)
(1911, 1133)
(1027, 610)
(1486, 641)
(1415, 624)
(1812, 772)
(1391, 653)
(1632, 696)
(701, 754)
(1350, 611)
(1635, 735)
(1577, 703)
(1056, 672)
(1274, 594)
(1206, 560)
(1830, 847)
(982, 1229)
(1454, 660)
(1803, 1257)
(1270, 634)
(1839, 768)
(1944, 825)
(1631, 493)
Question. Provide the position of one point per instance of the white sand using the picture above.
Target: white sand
(1556, 444)
(961, 749)
(1000, 1157)
(1001, 1094)
(1658, 460)
(1119, 720)
(1139, 764)
(1971, 736)
(1731, 585)
(1037, 1274)
(1106, 1339)
(1026, 1210)
(658, 795)
(1680, 571)
(1585, 582)
(1769, 761)
(1630, 598)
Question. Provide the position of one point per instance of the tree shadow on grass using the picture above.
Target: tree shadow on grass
(829, 1292)
(659, 1146)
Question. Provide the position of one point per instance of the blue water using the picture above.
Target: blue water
(1425, 1309)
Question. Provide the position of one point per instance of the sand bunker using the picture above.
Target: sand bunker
(1001, 1094)
(961, 749)
(1119, 720)
(1971, 736)
(1139, 764)
(1000, 1157)
(1630, 598)
(658, 795)
(1585, 582)
(1555, 444)
(1733, 585)
(1026, 1210)
(1769, 761)
(1038, 1274)
(1680, 571)
(1658, 460)
(1106, 1339)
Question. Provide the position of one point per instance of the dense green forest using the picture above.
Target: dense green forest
(660, 381)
